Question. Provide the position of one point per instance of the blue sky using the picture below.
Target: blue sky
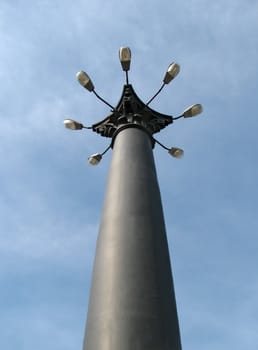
(51, 199)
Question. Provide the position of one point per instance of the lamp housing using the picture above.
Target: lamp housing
(125, 58)
(72, 124)
(85, 80)
(192, 111)
(172, 71)
(176, 152)
(94, 159)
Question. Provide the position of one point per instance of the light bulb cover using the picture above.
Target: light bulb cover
(176, 152)
(72, 124)
(171, 73)
(125, 58)
(193, 110)
(94, 159)
(85, 80)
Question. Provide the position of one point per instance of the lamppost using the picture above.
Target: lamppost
(132, 301)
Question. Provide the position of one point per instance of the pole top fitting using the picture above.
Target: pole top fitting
(131, 111)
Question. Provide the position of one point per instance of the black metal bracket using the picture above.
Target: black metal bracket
(130, 111)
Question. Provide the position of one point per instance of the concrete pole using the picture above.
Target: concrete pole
(132, 303)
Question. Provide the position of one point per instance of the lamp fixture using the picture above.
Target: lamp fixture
(94, 159)
(85, 80)
(172, 72)
(193, 110)
(131, 111)
(173, 151)
(125, 58)
(176, 152)
(74, 125)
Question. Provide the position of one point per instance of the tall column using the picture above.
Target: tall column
(132, 302)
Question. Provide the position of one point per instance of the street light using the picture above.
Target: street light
(74, 125)
(176, 152)
(85, 80)
(94, 159)
(132, 302)
(173, 151)
(172, 72)
(129, 97)
(192, 111)
(125, 58)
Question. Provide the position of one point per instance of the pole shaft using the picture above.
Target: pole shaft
(132, 303)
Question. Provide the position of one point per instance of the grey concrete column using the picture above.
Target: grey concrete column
(132, 303)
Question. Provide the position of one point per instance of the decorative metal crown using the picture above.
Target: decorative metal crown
(131, 110)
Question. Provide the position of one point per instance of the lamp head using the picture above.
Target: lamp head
(125, 58)
(85, 80)
(192, 111)
(172, 71)
(94, 159)
(72, 124)
(176, 152)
